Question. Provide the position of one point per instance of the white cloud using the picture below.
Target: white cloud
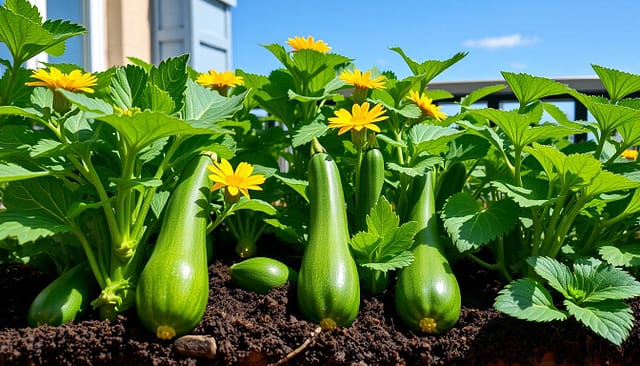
(510, 41)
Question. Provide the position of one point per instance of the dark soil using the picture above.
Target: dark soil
(253, 329)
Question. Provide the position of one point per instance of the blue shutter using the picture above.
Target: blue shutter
(201, 28)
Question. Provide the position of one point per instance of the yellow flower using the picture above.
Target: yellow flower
(236, 182)
(426, 105)
(359, 118)
(630, 154)
(219, 80)
(363, 81)
(76, 80)
(301, 43)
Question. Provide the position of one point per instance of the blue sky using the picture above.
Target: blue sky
(544, 38)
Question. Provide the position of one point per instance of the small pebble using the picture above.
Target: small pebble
(196, 346)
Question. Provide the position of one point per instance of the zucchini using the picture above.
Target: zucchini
(451, 181)
(173, 288)
(369, 186)
(65, 299)
(328, 285)
(427, 295)
(261, 274)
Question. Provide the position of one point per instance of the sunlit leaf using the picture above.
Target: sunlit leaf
(619, 84)
(430, 138)
(528, 88)
(429, 69)
(610, 319)
(472, 225)
(621, 255)
(208, 106)
(528, 300)
(12, 172)
(253, 204)
(308, 132)
(480, 93)
(29, 226)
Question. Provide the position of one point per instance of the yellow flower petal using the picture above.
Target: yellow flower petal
(301, 43)
(235, 182)
(53, 79)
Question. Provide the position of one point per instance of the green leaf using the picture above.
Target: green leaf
(471, 225)
(468, 147)
(611, 319)
(398, 261)
(619, 84)
(522, 196)
(298, 185)
(95, 106)
(575, 170)
(385, 245)
(253, 204)
(557, 274)
(626, 255)
(523, 129)
(605, 181)
(529, 88)
(609, 117)
(308, 132)
(23, 112)
(28, 226)
(419, 168)
(528, 300)
(478, 94)
(171, 76)
(142, 129)
(430, 138)
(429, 69)
(12, 172)
(601, 281)
(208, 106)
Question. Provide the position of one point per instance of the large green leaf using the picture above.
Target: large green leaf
(626, 255)
(528, 88)
(29, 226)
(25, 36)
(528, 300)
(575, 170)
(522, 128)
(12, 172)
(619, 84)
(522, 196)
(611, 319)
(308, 132)
(472, 225)
(171, 76)
(432, 139)
(95, 107)
(142, 129)
(478, 94)
(429, 69)
(606, 181)
(609, 117)
(209, 107)
(602, 281)
(557, 274)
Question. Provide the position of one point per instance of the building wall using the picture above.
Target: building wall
(127, 31)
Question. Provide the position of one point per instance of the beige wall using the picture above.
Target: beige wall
(128, 31)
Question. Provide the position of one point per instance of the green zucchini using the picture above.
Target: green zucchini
(64, 299)
(261, 274)
(173, 288)
(328, 285)
(451, 181)
(369, 186)
(427, 295)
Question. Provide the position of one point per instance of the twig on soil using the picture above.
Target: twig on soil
(298, 350)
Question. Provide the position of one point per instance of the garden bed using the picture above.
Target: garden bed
(253, 329)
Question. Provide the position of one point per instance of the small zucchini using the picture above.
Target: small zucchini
(369, 187)
(173, 288)
(427, 295)
(328, 284)
(261, 274)
(64, 299)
